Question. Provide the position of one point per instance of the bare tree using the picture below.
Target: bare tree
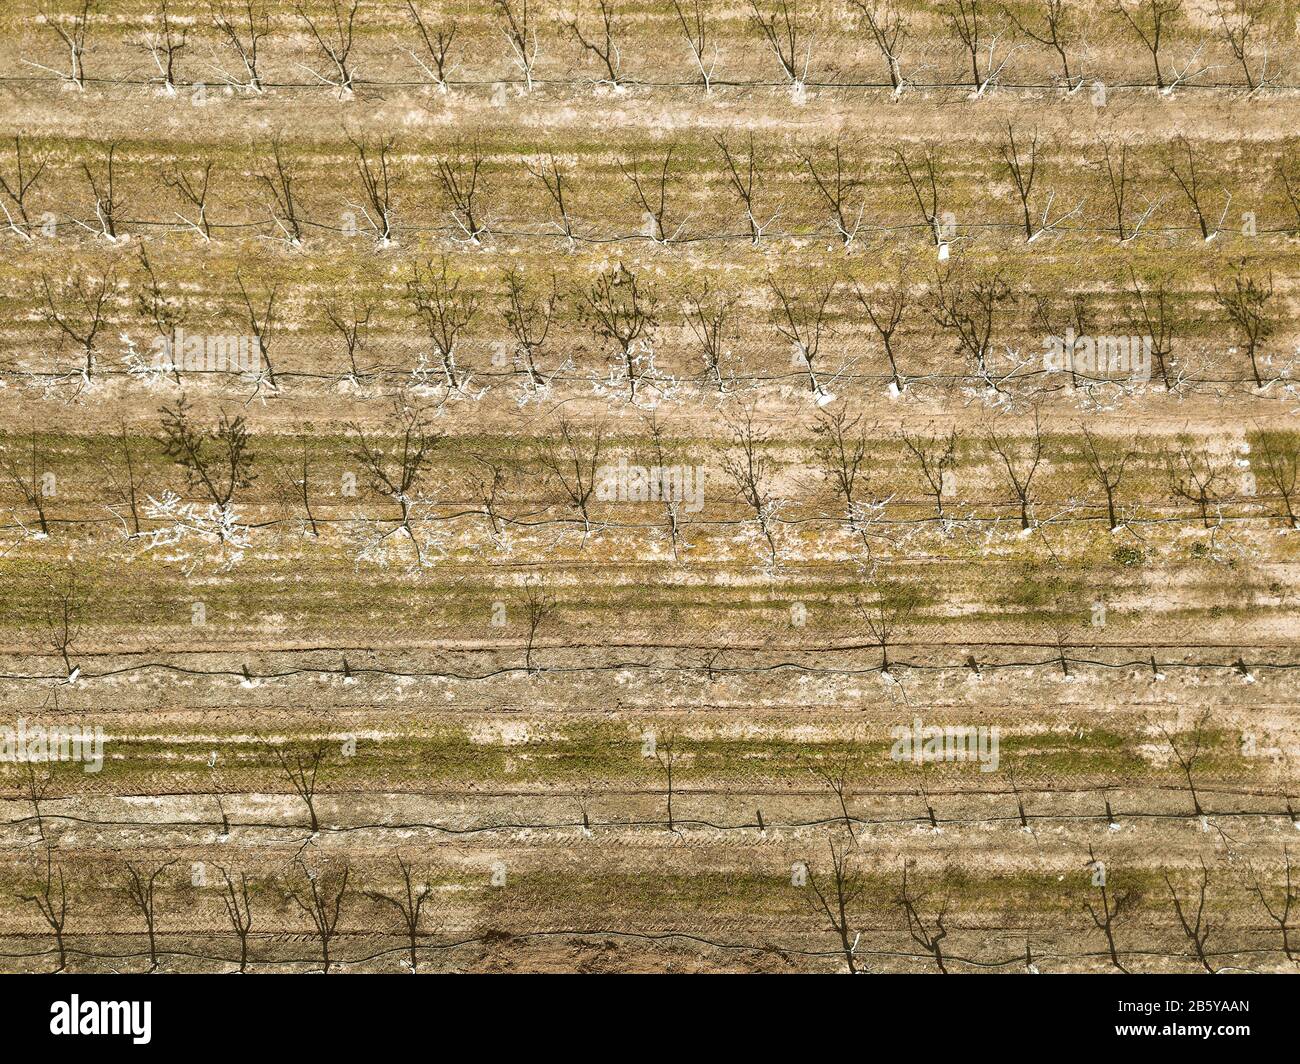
(836, 895)
(164, 46)
(1113, 904)
(30, 475)
(18, 188)
(839, 190)
(556, 182)
(104, 190)
(353, 327)
(929, 934)
(623, 311)
(37, 786)
(279, 177)
(529, 317)
(890, 30)
(1150, 20)
(71, 31)
(924, 184)
(521, 35)
(1196, 476)
(969, 22)
(376, 173)
(321, 896)
(409, 904)
(1054, 27)
(1151, 313)
(239, 911)
(301, 764)
(78, 309)
(650, 193)
(1240, 22)
(539, 608)
(964, 19)
(671, 502)
(193, 189)
(1119, 182)
(242, 33)
(743, 174)
(748, 468)
(887, 610)
(459, 173)
(297, 484)
(836, 780)
(437, 47)
(1246, 305)
(51, 899)
(1286, 170)
(1277, 454)
(1195, 924)
(261, 325)
(488, 485)
(708, 315)
(1189, 178)
(1188, 753)
(937, 456)
(397, 470)
(1023, 171)
(1106, 461)
(842, 451)
(64, 608)
(1056, 317)
(573, 458)
(1278, 912)
(139, 885)
(1021, 462)
(785, 35)
(218, 459)
(699, 38)
(802, 319)
(665, 753)
(124, 477)
(602, 44)
(885, 309)
(843, 444)
(446, 309)
(334, 43)
(166, 314)
(968, 305)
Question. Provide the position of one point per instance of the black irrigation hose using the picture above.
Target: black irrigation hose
(655, 380)
(714, 648)
(551, 236)
(648, 378)
(554, 236)
(1058, 661)
(404, 950)
(920, 820)
(593, 528)
(363, 86)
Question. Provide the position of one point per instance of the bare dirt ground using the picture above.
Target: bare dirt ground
(334, 383)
